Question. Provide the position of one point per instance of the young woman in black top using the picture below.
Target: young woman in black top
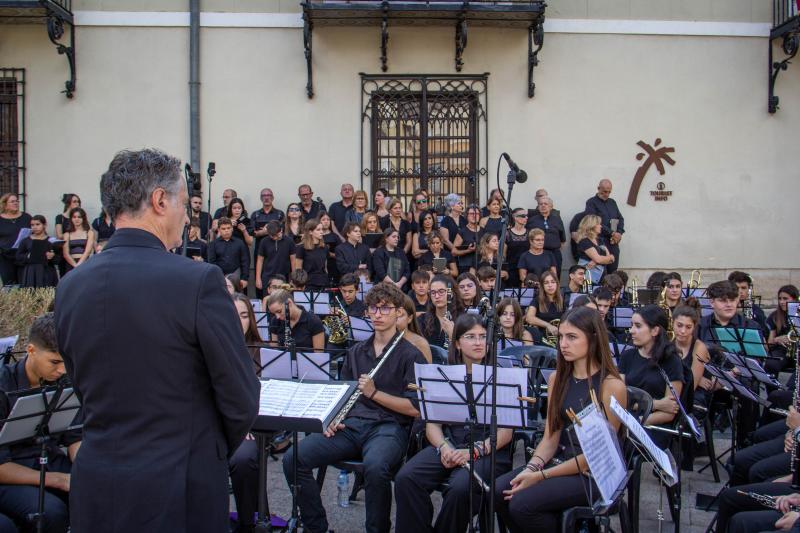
(692, 351)
(548, 305)
(79, 241)
(468, 288)
(70, 200)
(294, 222)
(454, 220)
(779, 327)
(642, 367)
(533, 497)
(379, 204)
(427, 228)
(306, 328)
(331, 241)
(509, 314)
(465, 243)
(493, 222)
(389, 262)
(516, 244)
(12, 220)
(242, 226)
(435, 325)
(436, 251)
(442, 461)
(104, 227)
(407, 321)
(370, 225)
(312, 256)
(488, 249)
(536, 259)
(396, 221)
(37, 259)
(591, 251)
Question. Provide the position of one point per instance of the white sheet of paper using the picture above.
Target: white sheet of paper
(601, 452)
(280, 368)
(256, 305)
(506, 396)
(307, 368)
(640, 434)
(299, 400)
(23, 233)
(8, 342)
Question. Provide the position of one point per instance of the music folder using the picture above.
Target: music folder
(308, 406)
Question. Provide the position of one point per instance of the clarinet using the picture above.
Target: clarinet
(287, 327)
(357, 394)
(795, 466)
(767, 501)
(446, 343)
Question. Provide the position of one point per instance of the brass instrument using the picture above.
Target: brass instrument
(695, 278)
(357, 394)
(446, 343)
(662, 303)
(635, 292)
(549, 338)
(337, 323)
(767, 501)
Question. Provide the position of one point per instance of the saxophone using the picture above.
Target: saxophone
(662, 303)
(747, 305)
(357, 393)
(635, 292)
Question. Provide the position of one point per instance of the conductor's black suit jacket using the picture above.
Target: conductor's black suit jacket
(155, 351)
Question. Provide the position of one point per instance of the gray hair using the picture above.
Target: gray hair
(451, 199)
(132, 176)
(546, 199)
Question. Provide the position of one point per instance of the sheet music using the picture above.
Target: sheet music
(256, 305)
(300, 400)
(601, 450)
(23, 233)
(506, 396)
(441, 391)
(8, 342)
(362, 328)
(622, 317)
(657, 454)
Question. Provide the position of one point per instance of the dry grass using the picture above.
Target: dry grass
(18, 308)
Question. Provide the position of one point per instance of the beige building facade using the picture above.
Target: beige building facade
(687, 75)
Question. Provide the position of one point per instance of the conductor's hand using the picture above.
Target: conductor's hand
(331, 431)
(259, 283)
(793, 419)
(57, 480)
(522, 481)
(366, 385)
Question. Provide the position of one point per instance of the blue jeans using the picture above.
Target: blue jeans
(381, 446)
(20, 501)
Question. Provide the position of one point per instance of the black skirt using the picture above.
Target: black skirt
(38, 275)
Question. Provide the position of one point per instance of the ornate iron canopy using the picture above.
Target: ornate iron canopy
(523, 14)
(54, 13)
(786, 26)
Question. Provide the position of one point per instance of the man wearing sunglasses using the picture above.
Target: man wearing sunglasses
(376, 429)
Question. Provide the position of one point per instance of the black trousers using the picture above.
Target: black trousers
(381, 446)
(763, 460)
(7, 525)
(243, 468)
(614, 250)
(423, 474)
(19, 501)
(754, 521)
(732, 503)
(539, 507)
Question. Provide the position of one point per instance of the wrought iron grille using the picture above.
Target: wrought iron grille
(12, 131)
(424, 132)
(783, 11)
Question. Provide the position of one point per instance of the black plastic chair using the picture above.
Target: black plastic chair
(438, 355)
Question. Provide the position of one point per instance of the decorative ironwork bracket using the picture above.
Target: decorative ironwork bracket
(461, 36)
(790, 46)
(55, 31)
(308, 28)
(384, 36)
(535, 38)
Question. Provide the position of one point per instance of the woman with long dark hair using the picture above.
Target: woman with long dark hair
(509, 314)
(488, 255)
(242, 226)
(548, 305)
(407, 321)
(427, 227)
(444, 298)
(493, 221)
(779, 328)
(645, 365)
(35, 254)
(78, 241)
(465, 242)
(70, 201)
(294, 222)
(396, 221)
(381, 198)
(451, 444)
(468, 289)
(533, 497)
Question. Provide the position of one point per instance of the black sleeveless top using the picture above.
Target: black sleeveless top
(577, 398)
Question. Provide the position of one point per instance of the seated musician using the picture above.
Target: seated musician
(468, 287)
(532, 498)
(244, 309)
(19, 471)
(348, 289)
(306, 328)
(450, 445)
(488, 248)
(744, 286)
(434, 323)
(486, 276)
(642, 366)
(352, 255)
(673, 290)
(613, 283)
(724, 297)
(436, 251)
(420, 286)
(509, 314)
(376, 429)
(779, 327)
(407, 321)
(548, 305)
(624, 297)
(577, 275)
(298, 279)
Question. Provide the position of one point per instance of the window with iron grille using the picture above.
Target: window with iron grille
(424, 132)
(12, 131)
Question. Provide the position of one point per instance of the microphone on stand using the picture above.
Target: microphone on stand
(520, 176)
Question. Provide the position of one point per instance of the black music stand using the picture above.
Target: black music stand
(288, 363)
(40, 414)
(317, 302)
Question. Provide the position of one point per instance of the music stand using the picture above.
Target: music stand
(793, 311)
(741, 340)
(40, 414)
(315, 302)
(621, 317)
(283, 364)
(263, 324)
(360, 328)
(647, 296)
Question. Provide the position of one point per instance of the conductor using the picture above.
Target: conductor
(156, 354)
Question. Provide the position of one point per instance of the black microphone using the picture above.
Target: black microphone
(521, 175)
(212, 169)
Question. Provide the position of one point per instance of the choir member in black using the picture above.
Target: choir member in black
(435, 254)
(376, 429)
(453, 220)
(488, 248)
(724, 298)
(331, 240)
(779, 328)
(396, 221)
(339, 210)
(535, 260)
(468, 287)
(547, 306)
(352, 255)
(493, 221)
(548, 220)
(426, 228)
(407, 321)
(389, 262)
(379, 204)
(348, 289)
(359, 209)
(465, 243)
(196, 248)
(104, 227)
(202, 218)
(264, 215)
(495, 194)
(444, 299)
(370, 225)
(449, 450)
(643, 364)
(744, 284)
(35, 254)
(294, 222)
(532, 498)
(19, 468)
(306, 328)
(12, 220)
(486, 277)
(69, 200)
(516, 245)
(227, 196)
(273, 255)
(592, 252)
(311, 255)
(420, 287)
(242, 227)
(509, 315)
(577, 273)
(310, 208)
(420, 204)
(613, 223)
(79, 241)
(229, 254)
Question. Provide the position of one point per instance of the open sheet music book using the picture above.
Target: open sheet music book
(300, 406)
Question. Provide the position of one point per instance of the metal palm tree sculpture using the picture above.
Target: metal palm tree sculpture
(655, 156)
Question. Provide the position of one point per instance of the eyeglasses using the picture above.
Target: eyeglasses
(521, 215)
(471, 337)
(438, 292)
(266, 196)
(384, 309)
(423, 201)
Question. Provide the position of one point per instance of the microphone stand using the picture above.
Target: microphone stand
(212, 170)
(490, 338)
